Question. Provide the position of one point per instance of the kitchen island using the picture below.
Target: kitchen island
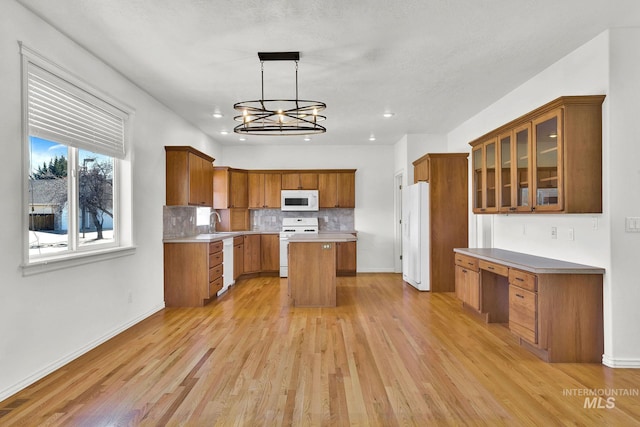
(312, 268)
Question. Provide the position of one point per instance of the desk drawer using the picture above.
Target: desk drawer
(522, 279)
(466, 261)
(498, 269)
(523, 312)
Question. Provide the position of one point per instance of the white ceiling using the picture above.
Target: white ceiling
(434, 63)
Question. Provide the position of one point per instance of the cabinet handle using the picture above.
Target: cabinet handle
(519, 279)
(470, 263)
(512, 209)
(490, 268)
(464, 271)
(520, 296)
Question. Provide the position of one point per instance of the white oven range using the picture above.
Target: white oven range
(291, 226)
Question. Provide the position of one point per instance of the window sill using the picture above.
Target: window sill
(52, 264)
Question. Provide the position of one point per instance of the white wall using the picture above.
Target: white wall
(374, 212)
(50, 318)
(623, 165)
(599, 238)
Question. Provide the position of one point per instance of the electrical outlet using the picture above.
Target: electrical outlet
(571, 235)
(554, 232)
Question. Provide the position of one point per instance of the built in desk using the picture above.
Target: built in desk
(554, 307)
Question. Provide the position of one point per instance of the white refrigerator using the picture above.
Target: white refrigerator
(415, 235)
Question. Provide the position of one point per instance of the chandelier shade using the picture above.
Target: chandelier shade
(279, 116)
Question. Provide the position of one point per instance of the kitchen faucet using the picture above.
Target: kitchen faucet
(216, 220)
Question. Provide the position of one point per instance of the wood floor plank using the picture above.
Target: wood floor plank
(386, 355)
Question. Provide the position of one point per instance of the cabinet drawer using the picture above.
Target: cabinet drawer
(523, 309)
(215, 246)
(215, 272)
(215, 259)
(238, 240)
(467, 261)
(499, 269)
(522, 279)
(215, 286)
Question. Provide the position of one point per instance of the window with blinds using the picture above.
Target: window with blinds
(60, 111)
(76, 139)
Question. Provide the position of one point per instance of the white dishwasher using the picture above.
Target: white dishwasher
(227, 264)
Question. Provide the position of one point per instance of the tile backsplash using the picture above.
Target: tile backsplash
(180, 221)
(328, 219)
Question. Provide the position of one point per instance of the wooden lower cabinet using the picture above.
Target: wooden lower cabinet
(346, 258)
(312, 274)
(251, 260)
(192, 273)
(523, 313)
(467, 281)
(238, 256)
(270, 253)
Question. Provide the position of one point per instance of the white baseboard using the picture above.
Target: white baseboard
(13, 389)
(620, 363)
(376, 270)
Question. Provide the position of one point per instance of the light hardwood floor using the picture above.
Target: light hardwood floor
(386, 355)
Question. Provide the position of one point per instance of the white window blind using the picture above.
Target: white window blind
(61, 111)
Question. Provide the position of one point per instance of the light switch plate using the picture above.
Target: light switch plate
(632, 224)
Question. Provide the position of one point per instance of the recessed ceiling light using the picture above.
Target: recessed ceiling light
(372, 138)
(388, 114)
(307, 138)
(242, 138)
(217, 115)
(224, 132)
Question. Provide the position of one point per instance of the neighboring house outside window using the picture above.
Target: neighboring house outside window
(75, 144)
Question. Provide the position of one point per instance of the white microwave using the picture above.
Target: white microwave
(299, 200)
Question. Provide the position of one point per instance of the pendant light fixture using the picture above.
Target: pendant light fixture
(279, 116)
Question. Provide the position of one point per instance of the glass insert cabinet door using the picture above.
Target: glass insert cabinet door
(505, 174)
(484, 158)
(478, 184)
(521, 168)
(547, 173)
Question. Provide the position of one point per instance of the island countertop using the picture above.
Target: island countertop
(322, 237)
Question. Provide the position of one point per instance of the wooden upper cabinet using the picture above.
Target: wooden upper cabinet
(546, 163)
(264, 190)
(189, 177)
(514, 151)
(230, 188)
(421, 169)
(549, 160)
(484, 158)
(337, 189)
(299, 181)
